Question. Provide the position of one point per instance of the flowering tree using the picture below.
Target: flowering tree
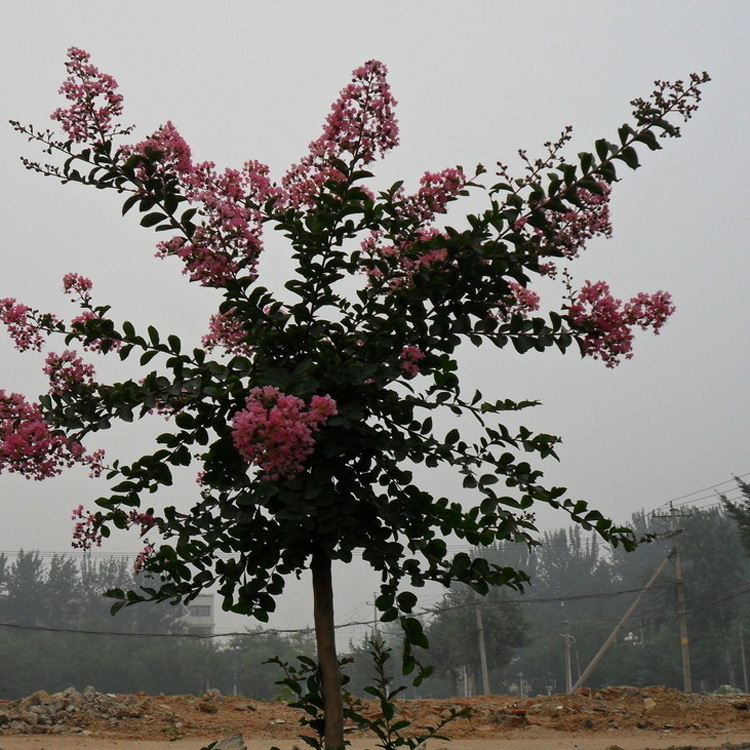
(310, 415)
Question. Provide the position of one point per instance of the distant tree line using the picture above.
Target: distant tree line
(579, 590)
(56, 631)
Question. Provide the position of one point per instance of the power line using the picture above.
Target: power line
(278, 631)
(675, 500)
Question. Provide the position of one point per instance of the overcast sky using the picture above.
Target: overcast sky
(475, 81)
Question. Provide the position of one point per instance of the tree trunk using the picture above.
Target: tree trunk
(330, 678)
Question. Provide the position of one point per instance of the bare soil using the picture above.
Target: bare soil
(615, 718)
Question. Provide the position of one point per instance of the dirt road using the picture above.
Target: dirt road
(533, 740)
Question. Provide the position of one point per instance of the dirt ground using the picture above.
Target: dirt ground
(612, 719)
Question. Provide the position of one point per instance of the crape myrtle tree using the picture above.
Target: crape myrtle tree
(308, 415)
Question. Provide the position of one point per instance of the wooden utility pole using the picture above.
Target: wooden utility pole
(610, 640)
(482, 650)
(744, 663)
(687, 680)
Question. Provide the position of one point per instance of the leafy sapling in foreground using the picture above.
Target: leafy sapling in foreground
(312, 416)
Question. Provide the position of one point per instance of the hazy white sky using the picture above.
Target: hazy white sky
(475, 81)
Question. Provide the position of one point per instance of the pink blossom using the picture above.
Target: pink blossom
(142, 558)
(27, 444)
(226, 331)
(405, 258)
(257, 184)
(520, 301)
(67, 371)
(275, 431)
(650, 310)
(360, 126)
(74, 283)
(173, 151)
(86, 532)
(436, 190)
(361, 122)
(606, 324)
(411, 356)
(22, 325)
(144, 521)
(101, 345)
(569, 232)
(228, 240)
(95, 462)
(95, 103)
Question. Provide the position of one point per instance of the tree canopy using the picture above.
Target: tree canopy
(313, 415)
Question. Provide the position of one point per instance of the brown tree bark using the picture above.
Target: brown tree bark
(325, 637)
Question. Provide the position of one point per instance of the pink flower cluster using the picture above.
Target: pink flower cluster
(22, 325)
(406, 258)
(361, 124)
(86, 532)
(361, 121)
(67, 372)
(228, 240)
(142, 558)
(606, 323)
(144, 521)
(95, 103)
(27, 445)
(406, 254)
(175, 154)
(567, 233)
(226, 331)
(74, 283)
(95, 462)
(411, 356)
(436, 190)
(520, 301)
(100, 345)
(275, 431)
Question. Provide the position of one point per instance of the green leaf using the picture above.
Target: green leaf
(155, 217)
(602, 148)
(625, 132)
(630, 157)
(587, 161)
(406, 601)
(146, 357)
(129, 203)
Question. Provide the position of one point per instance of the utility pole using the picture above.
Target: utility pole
(610, 640)
(681, 612)
(568, 670)
(482, 650)
(742, 654)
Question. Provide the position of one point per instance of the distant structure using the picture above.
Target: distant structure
(200, 615)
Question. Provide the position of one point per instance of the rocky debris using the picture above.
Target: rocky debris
(89, 712)
(67, 712)
(211, 714)
(234, 742)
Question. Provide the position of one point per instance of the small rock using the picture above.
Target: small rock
(649, 704)
(233, 742)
